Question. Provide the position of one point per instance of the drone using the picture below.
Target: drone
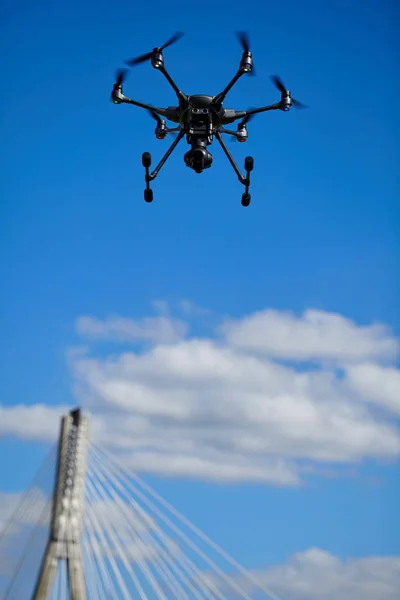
(200, 117)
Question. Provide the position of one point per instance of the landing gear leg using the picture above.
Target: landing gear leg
(248, 165)
(146, 162)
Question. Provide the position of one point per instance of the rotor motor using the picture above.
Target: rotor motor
(116, 94)
(241, 134)
(157, 59)
(246, 64)
(155, 56)
(161, 130)
(286, 101)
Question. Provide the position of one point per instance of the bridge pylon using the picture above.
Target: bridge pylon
(64, 542)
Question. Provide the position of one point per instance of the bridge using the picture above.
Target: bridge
(102, 533)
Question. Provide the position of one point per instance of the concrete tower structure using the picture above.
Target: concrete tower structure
(67, 514)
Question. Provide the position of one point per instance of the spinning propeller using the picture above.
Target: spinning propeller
(243, 38)
(120, 77)
(139, 59)
(155, 116)
(244, 41)
(246, 119)
(285, 92)
(116, 94)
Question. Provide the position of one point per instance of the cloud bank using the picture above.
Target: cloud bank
(266, 398)
(318, 575)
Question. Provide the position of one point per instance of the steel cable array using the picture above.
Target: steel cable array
(134, 545)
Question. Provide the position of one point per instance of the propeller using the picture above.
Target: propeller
(246, 119)
(281, 87)
(155, 116)
(139, 59)
(244, 41)
(120, 77)
(243, 38)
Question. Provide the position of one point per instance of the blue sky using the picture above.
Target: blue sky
(321, 233)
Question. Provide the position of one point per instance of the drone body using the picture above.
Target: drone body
(200, 118)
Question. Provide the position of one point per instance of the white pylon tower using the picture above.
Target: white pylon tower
(67, 513)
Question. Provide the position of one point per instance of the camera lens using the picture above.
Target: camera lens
(198, 154)
(198, 159)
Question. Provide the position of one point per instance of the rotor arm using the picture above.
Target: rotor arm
(170, 113)
(228, 131)
(246, 66)
(181, 96)
(159, 111)
(230, 116)
(255, 111)
(219, 99)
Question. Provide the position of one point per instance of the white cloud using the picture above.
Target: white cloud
(217, 468)
(191, 309)
(214, 409)
(380, 385)
(37, 422)
(157, 330)
(318, 575)
(315, 335)
(162, 307)
(197, 403)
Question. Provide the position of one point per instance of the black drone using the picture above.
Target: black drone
(200, 117)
